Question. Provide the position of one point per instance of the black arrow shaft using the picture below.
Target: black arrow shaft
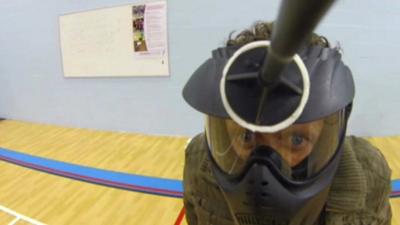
(295, 23)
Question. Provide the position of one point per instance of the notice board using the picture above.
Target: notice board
(129, 40)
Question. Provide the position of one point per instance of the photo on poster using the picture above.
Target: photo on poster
(139, 40)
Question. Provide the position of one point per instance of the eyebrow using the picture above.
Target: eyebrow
(309, 131)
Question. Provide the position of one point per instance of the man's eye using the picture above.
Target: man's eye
(247, 137)
(297, 140)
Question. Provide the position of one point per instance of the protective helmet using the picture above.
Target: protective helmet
(283, 175)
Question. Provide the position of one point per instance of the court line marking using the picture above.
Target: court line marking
(180, 216)
(15, 220)
(151, 185)
(144, 184)
(19, 216)
(162, 191)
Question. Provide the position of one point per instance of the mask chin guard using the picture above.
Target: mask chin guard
(256, 125)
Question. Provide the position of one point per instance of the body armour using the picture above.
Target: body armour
(359, 194)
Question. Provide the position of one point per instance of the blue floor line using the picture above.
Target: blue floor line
(125, 178)
(395, 185)
(147, 184)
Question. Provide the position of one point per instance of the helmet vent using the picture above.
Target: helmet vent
(249, 219)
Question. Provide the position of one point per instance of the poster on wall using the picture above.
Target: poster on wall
(149, 35)
(121, 41)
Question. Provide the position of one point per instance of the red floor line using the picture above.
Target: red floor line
(180, 217)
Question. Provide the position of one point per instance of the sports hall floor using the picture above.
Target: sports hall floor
(55, 175)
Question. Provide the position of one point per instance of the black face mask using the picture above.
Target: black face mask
(261, 194)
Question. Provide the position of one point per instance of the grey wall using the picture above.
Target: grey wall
(33, 87)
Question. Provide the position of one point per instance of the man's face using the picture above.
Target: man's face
(293, 144)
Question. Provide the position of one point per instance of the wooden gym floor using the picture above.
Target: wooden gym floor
(29, 196)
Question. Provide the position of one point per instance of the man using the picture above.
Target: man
(305, 172)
